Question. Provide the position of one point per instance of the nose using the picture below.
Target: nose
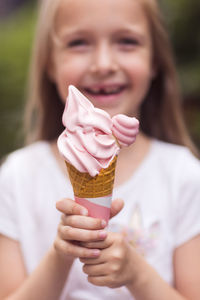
(103, 61)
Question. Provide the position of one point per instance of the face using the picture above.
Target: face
(103, 47)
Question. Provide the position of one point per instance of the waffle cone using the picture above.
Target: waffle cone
(86, 186)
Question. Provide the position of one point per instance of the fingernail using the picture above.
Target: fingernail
(84, 212)
(96, 252)
(102, 234)
(103, 223)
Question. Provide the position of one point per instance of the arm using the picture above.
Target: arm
(47, 280)
(12, 269)
(187, 268)
(120, 265)
(186, 273)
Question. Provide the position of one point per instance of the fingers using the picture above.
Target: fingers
(92, 261)
(102, 258)
(99, 280)
(74, 250)
(103, 244)
(116, 207)
(98, 244)
(96, 270)
(83, 222)
(82, 235)
(70, 207)
(76, 228)
(113, 267)
(112, 249)
(102, 275)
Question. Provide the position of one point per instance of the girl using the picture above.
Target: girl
(117, 53)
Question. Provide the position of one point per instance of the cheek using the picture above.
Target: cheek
(140, 72)
(66, 74)
(140, 69)
(61, 85)
(140, 75)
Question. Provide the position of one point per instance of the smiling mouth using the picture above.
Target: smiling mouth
(105, 90)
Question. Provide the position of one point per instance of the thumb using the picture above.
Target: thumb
(116, 207)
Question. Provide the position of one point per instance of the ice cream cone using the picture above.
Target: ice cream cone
(90, 141)
(94, 193)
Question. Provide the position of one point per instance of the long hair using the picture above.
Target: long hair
(161, 113)
(161, 116)
(44, 108)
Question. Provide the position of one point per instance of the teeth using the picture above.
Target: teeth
(111, 90)
(105, 90)
(95, 90)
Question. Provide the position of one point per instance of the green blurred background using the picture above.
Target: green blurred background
(17, 24)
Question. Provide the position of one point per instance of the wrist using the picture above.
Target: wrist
(60, 258)
(140, 274)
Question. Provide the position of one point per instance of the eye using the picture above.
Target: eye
(126, 41)
(77, 43)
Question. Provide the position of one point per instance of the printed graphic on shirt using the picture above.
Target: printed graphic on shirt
(143, 239)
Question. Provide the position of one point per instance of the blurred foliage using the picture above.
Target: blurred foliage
(16, 38)
(192, 116)
(183, 18)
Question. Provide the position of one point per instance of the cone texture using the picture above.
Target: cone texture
(86, 186)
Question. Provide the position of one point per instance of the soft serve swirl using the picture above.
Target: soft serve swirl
(87, 141)
(125, 129)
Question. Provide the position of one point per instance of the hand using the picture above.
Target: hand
(76, 227)
(115, 266)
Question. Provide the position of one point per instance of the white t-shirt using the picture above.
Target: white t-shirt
(161, 212)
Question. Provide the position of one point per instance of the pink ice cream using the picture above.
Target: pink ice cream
(91, 137)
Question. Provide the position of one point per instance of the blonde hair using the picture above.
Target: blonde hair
(44, 108)
(161, 116)
(161, 110)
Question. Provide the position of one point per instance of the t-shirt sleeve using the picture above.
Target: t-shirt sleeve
(187, 211)
(8, 218)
